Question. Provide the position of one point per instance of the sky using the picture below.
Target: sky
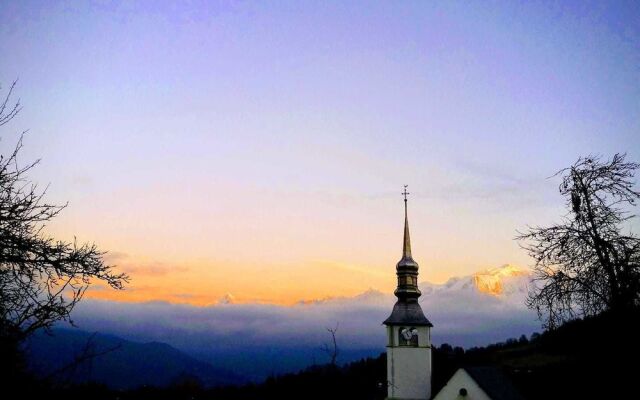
(256, 151)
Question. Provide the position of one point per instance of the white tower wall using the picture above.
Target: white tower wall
(408, 367)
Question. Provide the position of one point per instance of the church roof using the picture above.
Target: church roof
(494, 382)
(407, 313)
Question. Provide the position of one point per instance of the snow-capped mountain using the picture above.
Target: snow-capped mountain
(507, 282)
(477, 309)
(503, 281)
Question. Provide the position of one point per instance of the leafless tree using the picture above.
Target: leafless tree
(587, 264)
(332, 350)
(7, 114)
(41, 279)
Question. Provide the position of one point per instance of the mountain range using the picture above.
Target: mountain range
(75, 356)
(254, 341)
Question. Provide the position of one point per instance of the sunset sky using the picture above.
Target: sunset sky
(259, 149)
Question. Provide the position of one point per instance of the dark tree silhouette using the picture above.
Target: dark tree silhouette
(332, 350)
(41, 279)
(587, 263)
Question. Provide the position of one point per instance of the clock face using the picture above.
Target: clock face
(409, 333)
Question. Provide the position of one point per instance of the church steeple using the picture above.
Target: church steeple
(407, 268)
(407, 309)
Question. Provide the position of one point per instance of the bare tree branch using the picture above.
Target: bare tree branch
(41, 279)
(332, 350)
(586, 264)
(7, 114)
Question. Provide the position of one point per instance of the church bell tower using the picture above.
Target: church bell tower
(408, 331)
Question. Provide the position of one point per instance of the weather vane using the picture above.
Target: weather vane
(405, 193)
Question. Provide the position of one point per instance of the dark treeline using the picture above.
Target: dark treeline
(582, 358)
(586, 358)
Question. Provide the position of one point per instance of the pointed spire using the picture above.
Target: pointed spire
(407, 310)
(407, 268)
(406, 245)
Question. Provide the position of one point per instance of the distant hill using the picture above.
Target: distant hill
(590, 358)
(125, 364)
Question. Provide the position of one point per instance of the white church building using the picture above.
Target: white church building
(409, 359)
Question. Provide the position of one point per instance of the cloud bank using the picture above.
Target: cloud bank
(249, 338)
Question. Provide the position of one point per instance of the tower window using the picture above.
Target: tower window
(408, 280)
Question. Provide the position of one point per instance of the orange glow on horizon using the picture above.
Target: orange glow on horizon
(207, 284)
(260, 248)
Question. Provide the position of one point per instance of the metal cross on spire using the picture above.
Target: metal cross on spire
(406, 247)
(405, 193)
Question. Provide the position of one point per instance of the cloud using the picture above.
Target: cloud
(185, 296)
(114, 257)
(492, 185)
(154, 269)
(462, 315)
(358, 269)
(99, 287)
(125, 263)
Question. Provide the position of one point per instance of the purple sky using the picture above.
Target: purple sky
(272, 139)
